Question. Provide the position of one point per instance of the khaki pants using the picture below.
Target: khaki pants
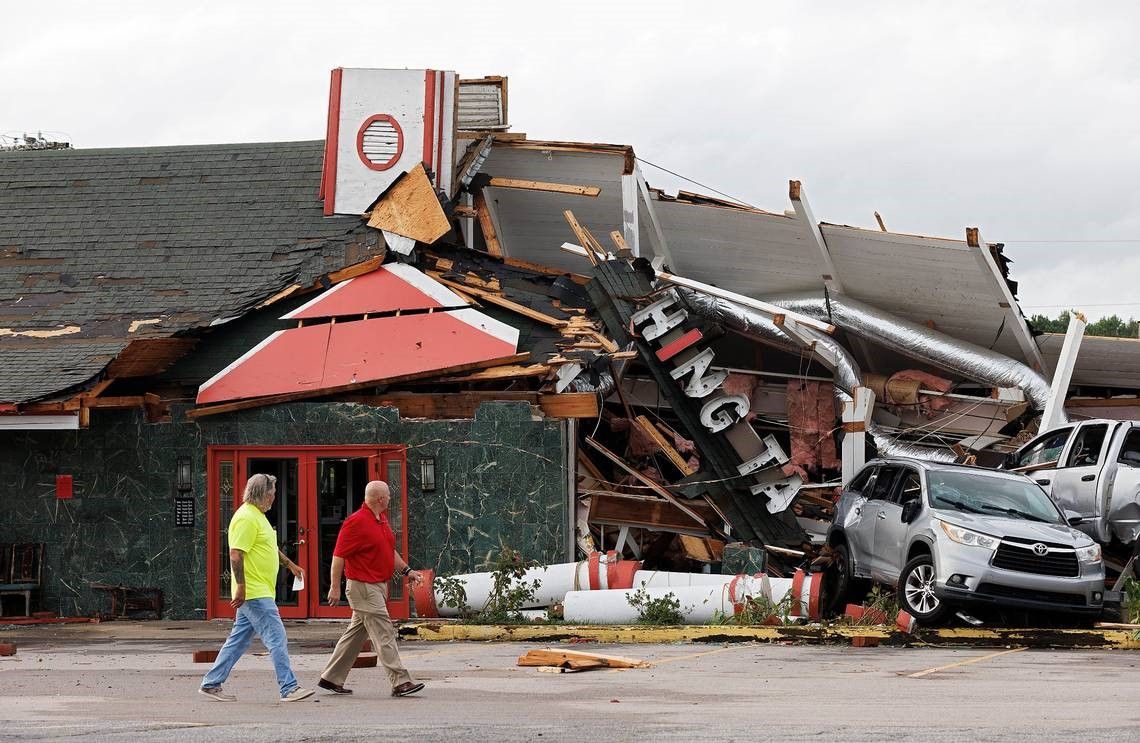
(369, 619)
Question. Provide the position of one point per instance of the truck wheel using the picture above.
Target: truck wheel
(916, 591)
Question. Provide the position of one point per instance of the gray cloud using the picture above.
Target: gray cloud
(1017, 118)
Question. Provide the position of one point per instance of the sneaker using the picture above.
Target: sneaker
(297, 694)
(406, 688)
(216, 693)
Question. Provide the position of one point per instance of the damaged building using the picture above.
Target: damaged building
(529, 342)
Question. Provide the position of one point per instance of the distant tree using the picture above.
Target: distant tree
(1044, 324)
(1111, 326)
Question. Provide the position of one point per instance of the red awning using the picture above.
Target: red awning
(341, 355)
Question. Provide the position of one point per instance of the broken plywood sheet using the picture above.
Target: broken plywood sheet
(410, 208)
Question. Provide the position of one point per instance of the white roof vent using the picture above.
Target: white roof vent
(381, 141)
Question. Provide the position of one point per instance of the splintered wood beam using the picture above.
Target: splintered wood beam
(356, 269)
(667, 449)
(512, 371)
(585, 237)
(544, 186)
(500, 301)
(487, 225)
(646, 481)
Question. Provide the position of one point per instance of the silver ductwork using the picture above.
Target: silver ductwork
(603, 386)
(846, 370)
(922, 343)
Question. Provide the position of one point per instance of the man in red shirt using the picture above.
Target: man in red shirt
(366, 554)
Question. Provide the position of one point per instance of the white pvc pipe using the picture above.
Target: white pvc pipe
(699, 603)
(597, 572)
(662, 579)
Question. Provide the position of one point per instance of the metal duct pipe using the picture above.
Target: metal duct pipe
(848, 376)
(922, 343)
(582, 383)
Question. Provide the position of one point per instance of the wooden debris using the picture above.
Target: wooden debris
(498, 299)
(578, 660)
(646, 481)
(544, 186)
(666, 448)
(585, 238)
(487, 225)
(702, 549)
(410, 208)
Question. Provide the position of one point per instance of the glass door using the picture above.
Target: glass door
(340, 493)
(287, 519)
(317, 489)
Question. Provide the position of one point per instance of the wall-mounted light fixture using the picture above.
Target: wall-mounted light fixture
(427, 474)
(182, 474)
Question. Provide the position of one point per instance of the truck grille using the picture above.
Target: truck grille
(1021, 557)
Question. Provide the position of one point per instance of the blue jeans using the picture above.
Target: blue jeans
(260, 617)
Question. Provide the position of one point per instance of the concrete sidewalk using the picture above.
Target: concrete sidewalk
(136, 681)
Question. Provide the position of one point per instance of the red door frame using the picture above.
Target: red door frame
(313, 605)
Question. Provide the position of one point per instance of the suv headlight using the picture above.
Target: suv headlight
(967, 536)
(1089, 554)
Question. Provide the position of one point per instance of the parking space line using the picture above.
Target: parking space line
(678, 657)
(967, 662)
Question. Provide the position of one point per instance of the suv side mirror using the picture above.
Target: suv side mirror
(1074, 518)
(910, 510)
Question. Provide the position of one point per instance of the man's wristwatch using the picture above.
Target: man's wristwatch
(405, 571)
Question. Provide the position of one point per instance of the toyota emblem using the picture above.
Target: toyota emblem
(1040, 550)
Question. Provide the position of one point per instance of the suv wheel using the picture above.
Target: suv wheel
(841, 585)
(916, 591)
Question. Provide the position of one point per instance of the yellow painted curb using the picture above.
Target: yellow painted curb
(805, 634)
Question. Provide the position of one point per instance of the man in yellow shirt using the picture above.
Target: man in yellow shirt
(254, 558)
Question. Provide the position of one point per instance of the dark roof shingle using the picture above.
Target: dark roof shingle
(103, 238)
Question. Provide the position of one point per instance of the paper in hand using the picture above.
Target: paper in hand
(298, 583)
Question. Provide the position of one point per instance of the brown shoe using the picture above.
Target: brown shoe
(406, 688)
(334, 688)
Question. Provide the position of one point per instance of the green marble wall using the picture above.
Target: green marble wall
(501, 476)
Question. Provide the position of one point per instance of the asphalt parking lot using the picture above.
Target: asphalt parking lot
(122, 687)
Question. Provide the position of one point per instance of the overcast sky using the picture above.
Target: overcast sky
(1018, 118)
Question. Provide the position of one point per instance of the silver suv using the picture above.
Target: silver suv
(947, 535)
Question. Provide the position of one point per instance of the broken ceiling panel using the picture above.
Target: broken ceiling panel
(1102, 362)
(529, 222)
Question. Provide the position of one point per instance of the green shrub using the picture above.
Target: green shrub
(663, 610)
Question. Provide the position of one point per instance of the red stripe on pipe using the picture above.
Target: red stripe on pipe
(670, 350)
(424, 596)
(797, 587)
(594, 558)
(732, 588)
(429, 117)
(813, 597)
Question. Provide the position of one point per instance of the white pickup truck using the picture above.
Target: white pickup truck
(1093, 468)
